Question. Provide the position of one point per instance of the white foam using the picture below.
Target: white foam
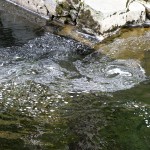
(119, 71)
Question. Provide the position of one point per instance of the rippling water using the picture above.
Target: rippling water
(65, 65)
(56, 93)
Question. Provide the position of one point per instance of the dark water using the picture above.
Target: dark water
(58, 94)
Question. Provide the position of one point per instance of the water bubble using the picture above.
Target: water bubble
(52, 110)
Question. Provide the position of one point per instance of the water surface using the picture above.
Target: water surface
(58, 94)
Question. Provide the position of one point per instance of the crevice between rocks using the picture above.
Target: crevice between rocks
(48, 13)
(67, 13)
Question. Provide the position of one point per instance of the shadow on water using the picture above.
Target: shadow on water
(57, 94)
(6, 38)
(15, 31)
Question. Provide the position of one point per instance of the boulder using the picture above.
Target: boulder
(42, 7)
(62, 10)
(98, 17)
(136, 13)
(101, 16)
(146, 4)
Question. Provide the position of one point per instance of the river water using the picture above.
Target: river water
(59, 94)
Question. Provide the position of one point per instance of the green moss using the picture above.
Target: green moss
(86, 20)
(65, 6)
(76, 1)
(61, 8)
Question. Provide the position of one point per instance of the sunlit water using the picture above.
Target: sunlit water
(58, 94)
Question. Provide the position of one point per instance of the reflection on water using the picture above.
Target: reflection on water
(6, 34)
(16, 31)
(73, 121)
(58, 94)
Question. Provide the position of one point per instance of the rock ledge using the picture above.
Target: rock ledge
(98, 17)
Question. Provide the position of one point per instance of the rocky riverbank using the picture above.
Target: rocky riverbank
(99, 17)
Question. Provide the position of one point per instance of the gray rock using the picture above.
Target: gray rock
(43, 7)
(102, 16)
(99, 17)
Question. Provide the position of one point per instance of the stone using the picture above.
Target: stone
(43, 7)
(146, 4)
(101, 16)
(51, 6)
(136, 13)
(98, 17)
(66, 10)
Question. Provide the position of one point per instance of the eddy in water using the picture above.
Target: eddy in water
(66, 65)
